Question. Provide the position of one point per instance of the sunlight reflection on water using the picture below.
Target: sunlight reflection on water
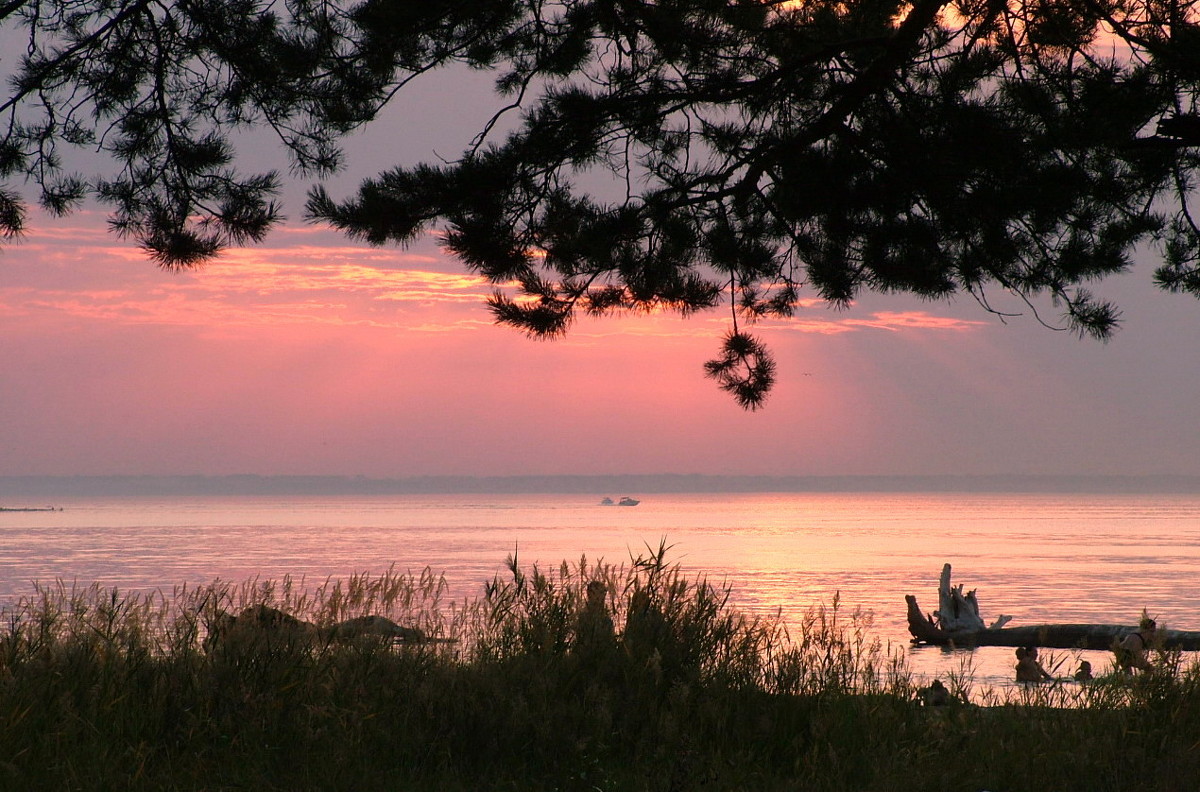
(1040, 558)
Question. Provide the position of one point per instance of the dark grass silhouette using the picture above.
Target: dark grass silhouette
(585, 677)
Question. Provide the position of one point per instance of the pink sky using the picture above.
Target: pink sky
(312, 355)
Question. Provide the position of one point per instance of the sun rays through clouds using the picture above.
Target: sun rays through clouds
(308, 355)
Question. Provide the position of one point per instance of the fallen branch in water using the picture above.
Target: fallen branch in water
(958, 623)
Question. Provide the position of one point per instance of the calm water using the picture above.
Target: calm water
(1040, 558)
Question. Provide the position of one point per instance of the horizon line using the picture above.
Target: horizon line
(653, 483)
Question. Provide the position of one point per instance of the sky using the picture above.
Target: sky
(311, 354)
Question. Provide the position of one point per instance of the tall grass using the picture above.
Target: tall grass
(588, 676)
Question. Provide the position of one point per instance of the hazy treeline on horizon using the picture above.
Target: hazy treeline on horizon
(85, 486)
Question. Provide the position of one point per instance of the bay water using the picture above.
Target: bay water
(1040, 558)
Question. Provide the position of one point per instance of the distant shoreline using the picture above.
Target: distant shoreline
(41, 487)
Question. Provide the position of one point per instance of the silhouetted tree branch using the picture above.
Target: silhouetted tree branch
(757, 150)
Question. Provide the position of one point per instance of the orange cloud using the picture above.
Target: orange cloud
(78, 272)
(92, 279)
(915, 320)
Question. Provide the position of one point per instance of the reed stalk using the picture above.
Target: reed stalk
(587, 676)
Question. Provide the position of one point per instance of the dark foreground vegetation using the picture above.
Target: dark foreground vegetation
(646, 680)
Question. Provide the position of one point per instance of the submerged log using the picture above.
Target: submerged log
(1048, 636)
(957, 622)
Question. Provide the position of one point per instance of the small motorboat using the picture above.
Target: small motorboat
(606, 502)
(628, 502)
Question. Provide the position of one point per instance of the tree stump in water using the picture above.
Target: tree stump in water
(956, 611)
(957, 623)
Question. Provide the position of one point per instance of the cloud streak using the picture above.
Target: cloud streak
(71, 272)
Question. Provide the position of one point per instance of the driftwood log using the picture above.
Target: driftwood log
(959, 624)
(958, 612)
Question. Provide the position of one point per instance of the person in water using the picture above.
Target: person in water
(1133, 650)
(1084, 674)
(1029, 668)
(594, 624)
(936, 695)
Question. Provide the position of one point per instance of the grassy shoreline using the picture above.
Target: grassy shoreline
(652, 683)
